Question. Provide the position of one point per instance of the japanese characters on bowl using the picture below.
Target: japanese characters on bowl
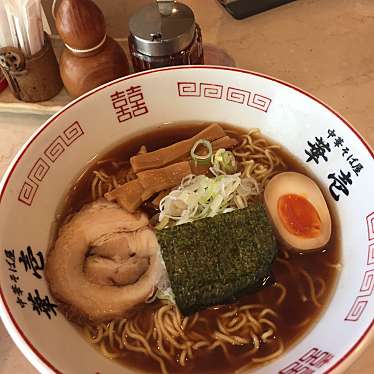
(319, 149)
(129, 103)
(33, 262)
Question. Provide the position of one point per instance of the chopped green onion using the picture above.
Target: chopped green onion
(164, 291)
(199, 196)
(163, 223)
(224, 162)
(205, 160)
(166, 295)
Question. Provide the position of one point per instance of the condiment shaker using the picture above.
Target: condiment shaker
(164, 34)
(90, 57)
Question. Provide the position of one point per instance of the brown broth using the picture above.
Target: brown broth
(293, 310)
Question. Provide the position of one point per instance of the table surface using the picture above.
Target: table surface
(323, 46)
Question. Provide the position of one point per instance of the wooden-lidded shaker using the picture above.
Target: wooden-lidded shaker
(90, 57)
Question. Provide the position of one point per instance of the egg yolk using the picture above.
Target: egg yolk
(299, 216)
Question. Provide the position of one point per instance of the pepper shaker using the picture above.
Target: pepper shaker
(164, 34)
(90, 57)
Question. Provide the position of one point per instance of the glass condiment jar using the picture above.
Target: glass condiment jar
(164, 34)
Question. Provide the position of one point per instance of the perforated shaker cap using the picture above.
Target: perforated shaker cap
(163, 28)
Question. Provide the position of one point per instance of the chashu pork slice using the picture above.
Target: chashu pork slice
(104, 263)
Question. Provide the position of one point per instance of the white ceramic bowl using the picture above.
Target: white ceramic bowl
(47, 165)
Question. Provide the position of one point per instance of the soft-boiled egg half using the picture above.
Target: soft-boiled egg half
(299, 211)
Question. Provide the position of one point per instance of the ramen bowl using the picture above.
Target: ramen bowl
(37, 181)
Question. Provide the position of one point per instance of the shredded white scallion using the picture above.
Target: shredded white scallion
(199, 196)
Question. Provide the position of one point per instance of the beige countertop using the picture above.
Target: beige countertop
(323, 46)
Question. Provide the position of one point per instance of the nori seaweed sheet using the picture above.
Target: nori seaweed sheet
(214, 260)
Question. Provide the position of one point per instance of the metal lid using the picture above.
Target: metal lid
(162, 29)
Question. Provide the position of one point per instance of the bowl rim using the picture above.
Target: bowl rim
(33, 355)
